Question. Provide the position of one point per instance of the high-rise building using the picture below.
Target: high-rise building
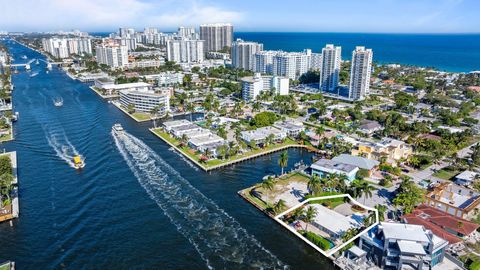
(360, 73)
(187, 32)
(217, 36)
(112, 54)
(243, 54)
(330, 67)
(130, 42)
(315, 61)
(264, 61)
(126, 32)
(185, 50)
(64, 47)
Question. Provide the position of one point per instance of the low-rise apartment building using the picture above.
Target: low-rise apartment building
(145, 101)
(393, 150)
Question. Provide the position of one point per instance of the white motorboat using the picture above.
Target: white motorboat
(118, 129)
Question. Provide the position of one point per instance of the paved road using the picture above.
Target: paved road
(466, 152)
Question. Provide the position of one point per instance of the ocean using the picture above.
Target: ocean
(447, 52)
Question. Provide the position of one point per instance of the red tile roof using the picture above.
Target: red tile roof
(438, 221)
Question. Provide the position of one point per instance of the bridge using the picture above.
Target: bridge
(27, 65)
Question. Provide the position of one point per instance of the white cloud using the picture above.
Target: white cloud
(107, 14)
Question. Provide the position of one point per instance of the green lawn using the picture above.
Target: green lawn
(7, 137)
(279, 182)
(446, 173)
(141, 116)
(5, 267)
(214, 162)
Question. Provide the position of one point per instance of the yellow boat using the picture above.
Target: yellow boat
(78, 162)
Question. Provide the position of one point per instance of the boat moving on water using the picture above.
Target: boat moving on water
(78, 162)
(58, 102)
(117, 129)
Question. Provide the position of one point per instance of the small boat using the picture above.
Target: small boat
(15, 117)
(118, 129)
(37, 62)
(24, 57)
(34, 74)
(58, 102)
(78, 162)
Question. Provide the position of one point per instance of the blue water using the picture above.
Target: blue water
(136, 204)
(447, 52)
(456, 53)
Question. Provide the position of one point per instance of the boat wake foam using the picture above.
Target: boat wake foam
(189, 163)
(62, 146)
(217, 237)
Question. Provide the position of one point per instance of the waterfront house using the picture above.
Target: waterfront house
(333, 223)
(259, 135)
(292, 128)
(451, 228)
(456, 200)
(324, 167)
(403, 246)
(176, 123)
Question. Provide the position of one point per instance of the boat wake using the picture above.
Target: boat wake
(189, 163)
(62, 147)
(217, 237)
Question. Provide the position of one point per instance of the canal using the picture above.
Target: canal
(136, 204)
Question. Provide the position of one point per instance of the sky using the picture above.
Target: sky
(364, 16)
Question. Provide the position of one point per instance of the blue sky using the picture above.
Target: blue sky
(384, 16)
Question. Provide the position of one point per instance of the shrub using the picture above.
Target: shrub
(321, 242)
(5, 165)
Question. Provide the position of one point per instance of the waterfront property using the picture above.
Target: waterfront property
(260, 135)
(324, 167)
(327, 230)
(145, 101)
(199, 139)
(107, 88)
(399, 246)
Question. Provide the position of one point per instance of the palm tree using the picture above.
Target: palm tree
(367, 190)
(269, 140)
(6, 186)
(279, 206)
(184, 139)
(382, 209)
(283, 160)
(268, 184)
(238, 134)
(314, 184)
(190, 108)
(154, 111)
(310, 215)
(298, 213)
(319, 131)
